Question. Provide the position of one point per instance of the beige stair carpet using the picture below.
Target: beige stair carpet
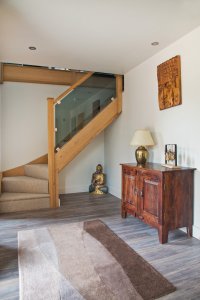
(29, 192)
(37, 171)
(24, 184)
(13, 202)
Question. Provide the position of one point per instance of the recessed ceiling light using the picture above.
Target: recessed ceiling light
(32, 48)
(155, 43)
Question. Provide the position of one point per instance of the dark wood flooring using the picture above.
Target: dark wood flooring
(178, 261)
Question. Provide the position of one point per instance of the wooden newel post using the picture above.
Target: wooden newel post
(119, 93)
(0, 181)
(53, 174)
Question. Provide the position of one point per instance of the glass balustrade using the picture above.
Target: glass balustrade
(82, 104)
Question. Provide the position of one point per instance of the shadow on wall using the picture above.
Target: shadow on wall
(196, 228)
(186, 157)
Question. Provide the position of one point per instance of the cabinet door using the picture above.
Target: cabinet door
(130, 190)
(150, 198)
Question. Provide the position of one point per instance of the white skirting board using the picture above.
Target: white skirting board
(73, 189)
(196, 232)
(115, 191)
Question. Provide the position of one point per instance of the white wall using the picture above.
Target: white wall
(76, 177)
(179, 125)
(24, 121)
(24, 133)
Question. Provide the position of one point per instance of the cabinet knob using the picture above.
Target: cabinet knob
(135, 191)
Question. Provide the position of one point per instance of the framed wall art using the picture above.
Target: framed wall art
(169, 83)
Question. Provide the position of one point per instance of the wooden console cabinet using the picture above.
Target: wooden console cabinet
(159, 196)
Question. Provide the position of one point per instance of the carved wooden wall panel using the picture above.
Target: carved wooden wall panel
(169, 83)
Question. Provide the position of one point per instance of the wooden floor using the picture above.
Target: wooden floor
(178, 261)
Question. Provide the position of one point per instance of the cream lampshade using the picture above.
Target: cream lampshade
(142, 138)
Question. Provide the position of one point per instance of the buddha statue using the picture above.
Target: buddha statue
(98, 186)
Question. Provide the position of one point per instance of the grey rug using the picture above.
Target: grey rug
(84, 260)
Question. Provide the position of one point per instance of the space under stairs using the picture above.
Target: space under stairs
(27, 192)
(75, 118)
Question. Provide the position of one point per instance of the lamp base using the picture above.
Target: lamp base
(141, 155)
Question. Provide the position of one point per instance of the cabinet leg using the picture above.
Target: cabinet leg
(123, 214)
(189, 231)
(163, 235)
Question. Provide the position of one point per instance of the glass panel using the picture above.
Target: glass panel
(82, 104)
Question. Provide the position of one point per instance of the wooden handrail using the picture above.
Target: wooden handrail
(71, 88)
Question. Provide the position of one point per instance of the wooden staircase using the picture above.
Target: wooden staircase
(35, 185)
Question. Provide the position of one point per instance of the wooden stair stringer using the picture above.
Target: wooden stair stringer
(72, 148)
(19, 171)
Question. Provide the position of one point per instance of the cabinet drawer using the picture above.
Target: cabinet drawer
(128, 171)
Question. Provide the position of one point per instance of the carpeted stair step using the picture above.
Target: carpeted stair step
(12, 202)
(24, 184)
(37, 171)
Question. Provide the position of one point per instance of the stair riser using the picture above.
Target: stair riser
(37, 171)
(24, 205)
(17, 187)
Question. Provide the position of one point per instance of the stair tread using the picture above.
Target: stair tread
(6, 196)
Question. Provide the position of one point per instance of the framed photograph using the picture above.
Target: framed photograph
(171, 154)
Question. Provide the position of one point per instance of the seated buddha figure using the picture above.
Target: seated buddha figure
(98, 182)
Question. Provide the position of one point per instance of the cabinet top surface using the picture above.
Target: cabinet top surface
(157, 167)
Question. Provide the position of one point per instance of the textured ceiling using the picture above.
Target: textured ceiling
(99, 35)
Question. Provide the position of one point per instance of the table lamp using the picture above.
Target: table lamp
(141, 138)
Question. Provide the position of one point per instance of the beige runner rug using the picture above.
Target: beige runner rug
(84, 260)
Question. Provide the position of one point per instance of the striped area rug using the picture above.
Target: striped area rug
(84, 260)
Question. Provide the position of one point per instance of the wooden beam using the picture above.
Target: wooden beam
(53, 174)
(33, 74)
(36, 74)
(19, 171)
(119, 92)
(72, 148)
